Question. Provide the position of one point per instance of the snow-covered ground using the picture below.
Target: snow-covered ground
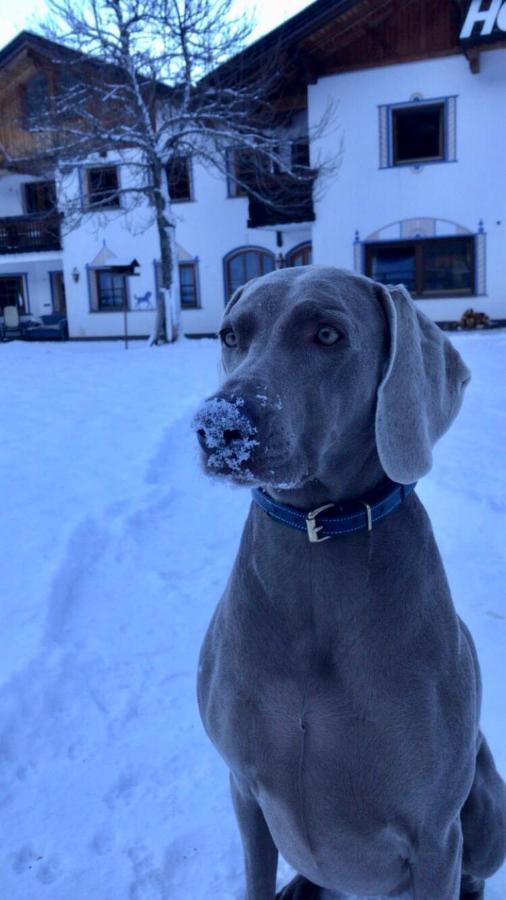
(114, 551)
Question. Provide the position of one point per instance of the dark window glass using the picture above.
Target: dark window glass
(36, 98)
(103, 187)
(448, 265)
(179, 178)
(300, 154)
(188, 284)
(427, 267)
(40, 196)
(111, 291)
(245, 168)
(300, 256)
(12, 292)
(246, 264)
(394, 265)
(418, 133)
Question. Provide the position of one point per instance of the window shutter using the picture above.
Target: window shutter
(384, 135)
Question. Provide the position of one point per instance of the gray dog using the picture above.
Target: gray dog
(336, 679)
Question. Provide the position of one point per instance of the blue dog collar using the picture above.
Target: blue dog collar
(355, 515)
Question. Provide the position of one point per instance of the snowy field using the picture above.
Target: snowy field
(114, 552)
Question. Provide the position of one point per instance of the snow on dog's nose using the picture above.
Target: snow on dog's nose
(226, 434)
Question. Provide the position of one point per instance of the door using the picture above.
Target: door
(58, 292)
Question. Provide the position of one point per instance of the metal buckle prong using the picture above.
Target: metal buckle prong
(312, 528)
(369, 514)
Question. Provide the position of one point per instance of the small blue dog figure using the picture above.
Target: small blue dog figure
(145, 300)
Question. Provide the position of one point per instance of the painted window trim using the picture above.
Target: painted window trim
(479, 270)
(194, 263)
(386, 132)
(235, 252)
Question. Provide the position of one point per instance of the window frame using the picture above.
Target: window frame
(448, 136)
(32, 118)
(38, 188)
(97, 207)
(300, 249)
(419, 160)
(95, 305)
(22, 279)
(193, 265)
(187, 158)
(262, 251)
(419, 244)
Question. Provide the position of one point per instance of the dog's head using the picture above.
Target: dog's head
(326, 373)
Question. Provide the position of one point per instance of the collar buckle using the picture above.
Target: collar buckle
(312, 528)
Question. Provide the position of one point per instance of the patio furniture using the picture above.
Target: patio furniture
(51, 327)
(12, 325)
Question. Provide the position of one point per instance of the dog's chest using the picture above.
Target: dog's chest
(268, 691)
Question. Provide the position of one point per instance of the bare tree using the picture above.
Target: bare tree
(157, 80)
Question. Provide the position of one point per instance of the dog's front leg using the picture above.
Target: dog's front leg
(436, 869)
(260, 852)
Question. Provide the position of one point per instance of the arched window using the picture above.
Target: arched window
(301, 255)
(246, 263)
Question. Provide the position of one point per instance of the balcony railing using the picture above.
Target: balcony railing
(282, 200)
(30, 234)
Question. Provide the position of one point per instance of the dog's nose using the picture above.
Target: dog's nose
(224, 437)
(223, 424)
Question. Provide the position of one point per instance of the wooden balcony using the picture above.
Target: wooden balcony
(30, 234)
(283, 201)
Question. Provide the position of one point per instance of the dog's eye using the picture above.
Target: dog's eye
(229, 338)
(327, 335)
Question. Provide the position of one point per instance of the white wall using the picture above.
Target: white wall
(210, 227)
(364, 197)
(128, 235)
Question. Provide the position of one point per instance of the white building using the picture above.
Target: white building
(419, 141)
(418, 194)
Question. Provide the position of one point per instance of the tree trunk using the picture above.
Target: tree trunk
(165, 329)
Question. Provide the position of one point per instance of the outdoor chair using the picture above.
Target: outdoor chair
(12, 325)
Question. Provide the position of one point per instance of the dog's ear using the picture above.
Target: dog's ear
(421, 391)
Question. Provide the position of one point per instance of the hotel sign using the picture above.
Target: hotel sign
(485, 21)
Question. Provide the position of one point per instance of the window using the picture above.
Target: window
(103, 187)
(432, 267)
(244, 167)
(12, 292)
(299, 154)
(188, 284)
(301, 255)
(40, 196)
(36, 99)
(242, 265)
(111, 291)
(419, 132)
(179, 178)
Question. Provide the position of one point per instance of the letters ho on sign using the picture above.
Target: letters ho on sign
(484, 23)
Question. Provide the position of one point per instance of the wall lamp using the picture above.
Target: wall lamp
(75, 274)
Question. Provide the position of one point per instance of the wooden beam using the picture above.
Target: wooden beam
(472, 55)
